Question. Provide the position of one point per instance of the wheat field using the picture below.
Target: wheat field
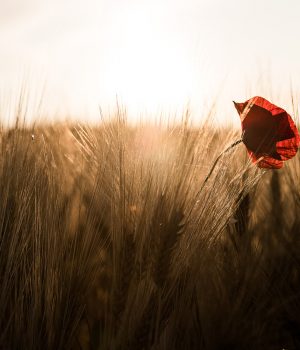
(111, 239)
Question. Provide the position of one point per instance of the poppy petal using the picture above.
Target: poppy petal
(269, 132)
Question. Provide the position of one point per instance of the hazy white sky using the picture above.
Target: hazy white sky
(154, 54)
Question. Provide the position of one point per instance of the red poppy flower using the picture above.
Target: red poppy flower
(269, 133)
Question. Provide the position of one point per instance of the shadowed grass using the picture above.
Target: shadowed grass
(114, 237)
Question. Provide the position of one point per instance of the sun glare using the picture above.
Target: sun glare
(151, 56)
(147, 70)
(126, 51)
(144, 67)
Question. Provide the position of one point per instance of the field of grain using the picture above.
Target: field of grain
(111, 240)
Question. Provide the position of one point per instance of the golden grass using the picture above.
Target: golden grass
(106, 241)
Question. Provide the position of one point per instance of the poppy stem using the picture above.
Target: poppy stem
(217, 159)
(211, 171)
(213, 167)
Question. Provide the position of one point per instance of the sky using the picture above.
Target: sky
(151, 56)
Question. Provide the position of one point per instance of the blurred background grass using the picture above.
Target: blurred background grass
(106, 241)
